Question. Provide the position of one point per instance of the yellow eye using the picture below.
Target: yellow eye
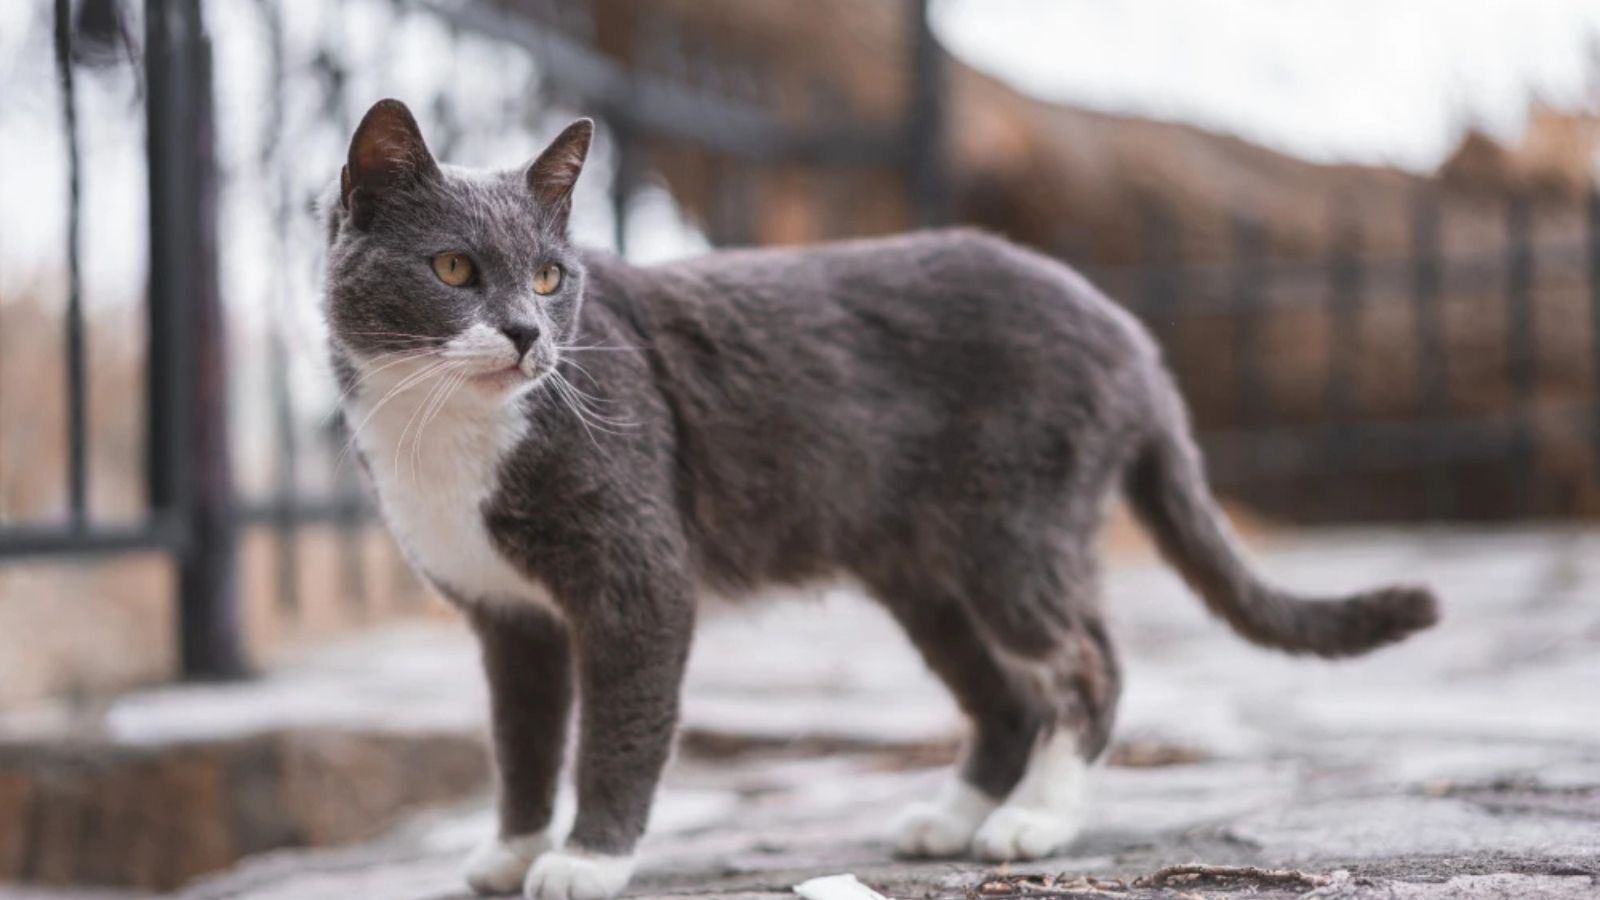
(547, 279)
(454, 269)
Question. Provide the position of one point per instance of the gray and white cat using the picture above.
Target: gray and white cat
(573, 448)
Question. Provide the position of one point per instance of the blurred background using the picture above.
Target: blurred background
(1366, 233)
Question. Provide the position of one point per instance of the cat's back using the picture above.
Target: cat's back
(937, 285)
(939, 259)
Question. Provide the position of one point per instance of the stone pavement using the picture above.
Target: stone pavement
(1465, 762)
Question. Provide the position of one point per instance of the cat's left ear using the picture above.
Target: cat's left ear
(386, 154)
(552, 176)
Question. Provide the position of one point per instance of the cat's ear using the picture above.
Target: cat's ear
(387, 153)
(552, 176)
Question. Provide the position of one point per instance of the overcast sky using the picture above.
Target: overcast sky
(1349, 80)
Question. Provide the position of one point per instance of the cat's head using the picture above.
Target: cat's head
(452, 270)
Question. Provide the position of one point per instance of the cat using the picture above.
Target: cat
(572, 449)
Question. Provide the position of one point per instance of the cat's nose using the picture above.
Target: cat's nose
(522, 337)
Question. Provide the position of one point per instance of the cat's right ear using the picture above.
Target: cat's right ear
(553, 175)
(386, 154)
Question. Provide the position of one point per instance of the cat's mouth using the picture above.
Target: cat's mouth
(503, 379)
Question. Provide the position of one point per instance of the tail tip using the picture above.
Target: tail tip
(1417, 606)
(1362, 623)
(1404, 609)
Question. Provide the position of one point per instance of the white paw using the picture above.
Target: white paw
(942, 827)
(498, 865)
(929, 830)
(565, 875)
(1016, 833)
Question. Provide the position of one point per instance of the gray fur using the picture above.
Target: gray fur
(942, 416)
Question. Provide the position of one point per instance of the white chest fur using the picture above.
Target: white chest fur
(434, 468)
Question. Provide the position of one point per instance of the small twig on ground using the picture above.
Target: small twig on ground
(1044, 887)
(1201, 871)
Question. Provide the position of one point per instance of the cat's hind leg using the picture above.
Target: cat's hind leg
(1045, 812)
(1046, 809)
(1006, 719)
(1028, 578)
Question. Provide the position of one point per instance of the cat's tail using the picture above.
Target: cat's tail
(1167, 489)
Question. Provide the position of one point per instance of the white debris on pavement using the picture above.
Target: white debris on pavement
(836, 887)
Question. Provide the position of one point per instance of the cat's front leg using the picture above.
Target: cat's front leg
(632, 644)
(527, 659)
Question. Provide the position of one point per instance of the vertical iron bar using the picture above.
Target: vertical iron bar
(1593, 217)
(924, 129)
(77, 427)
(1521, 372)
(835, 191)
(286, 518)
(1154, 293)
(352, 524)
(733, 220)
(1432, 374)
(188, 463)
(621, 184)
(650, 43)
(1346, 285)
(1248, 381)
(164, 399)
(1162, 281)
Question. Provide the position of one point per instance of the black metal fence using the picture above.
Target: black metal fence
(1478, 413)
(197, 511)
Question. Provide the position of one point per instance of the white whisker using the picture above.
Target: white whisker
(555, 387)
(595, 415)
(404, 384)
(577, 410)
(587, 416)
(440, 374)
(390, 334)
(587, 396)
(587, 374)
(598, 347)
(404, 356)
(452, 381)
